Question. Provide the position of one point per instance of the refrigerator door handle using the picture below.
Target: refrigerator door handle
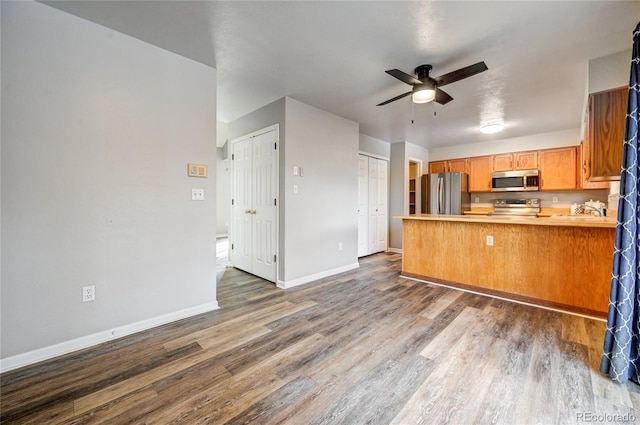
(440, 195)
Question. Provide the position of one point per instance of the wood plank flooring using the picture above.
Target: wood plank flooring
(362, 347)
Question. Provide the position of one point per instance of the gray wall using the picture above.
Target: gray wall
(375, 147)
(609, 72)
(399, 186)
(223, 191)
(324, 212)
(266, 116)
(97, 131)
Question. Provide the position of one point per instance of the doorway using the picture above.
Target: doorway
(253, 236)
(415, 170)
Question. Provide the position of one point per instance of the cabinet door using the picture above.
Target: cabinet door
(558, 169)
(607, 112)
(480, 169)
(583, 164)
(459, 165)
(438, 167)
(503, 162)
(526, 160)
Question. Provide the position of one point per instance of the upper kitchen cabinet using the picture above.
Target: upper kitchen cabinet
(480, 169)
(437, 167)
(452, 165)
(605, 136)
(526, 160)
(459, 165)
(503, 162)
(515, 161)
(558, 169)
(583, 182)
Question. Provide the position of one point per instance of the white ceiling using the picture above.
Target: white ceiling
(332, 55)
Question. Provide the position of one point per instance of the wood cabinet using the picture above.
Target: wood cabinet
(503, 162)
(453, 165)
(515, 161)
(459, 165)
(526, 160)
(558, 169)
(480, 169)
(437, 167)
(583, 181)
(606, 122)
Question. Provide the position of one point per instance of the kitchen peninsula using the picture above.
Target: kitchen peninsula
(557, 262)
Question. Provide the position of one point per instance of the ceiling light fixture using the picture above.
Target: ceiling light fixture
(491, 128)
(423, 93)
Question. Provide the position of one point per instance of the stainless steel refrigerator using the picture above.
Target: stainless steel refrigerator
(445, 193)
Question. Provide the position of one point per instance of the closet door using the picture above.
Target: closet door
(254, 211)
(381, 206)
(363, 205)
(377, 214)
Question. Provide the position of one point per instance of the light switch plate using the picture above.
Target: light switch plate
(197, 194)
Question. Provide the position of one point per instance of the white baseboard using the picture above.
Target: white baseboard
(395, 250)
(310, 278)
(66, 347)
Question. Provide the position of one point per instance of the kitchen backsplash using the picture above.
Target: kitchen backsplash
(564, 199)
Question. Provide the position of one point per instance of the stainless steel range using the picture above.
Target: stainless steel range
(516, 207)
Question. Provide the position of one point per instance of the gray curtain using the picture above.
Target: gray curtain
(620, 359)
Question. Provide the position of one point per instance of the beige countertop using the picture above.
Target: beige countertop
(558, 220)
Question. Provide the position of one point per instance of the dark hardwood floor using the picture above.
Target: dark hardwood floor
(362, 347)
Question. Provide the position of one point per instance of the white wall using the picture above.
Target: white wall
(273, 113)
(323, 213)
(97, 130)
(399, 186)
(610, 71)
(374, 147)
(223, 192)
(533, 142)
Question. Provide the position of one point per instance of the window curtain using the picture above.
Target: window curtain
(622, 338)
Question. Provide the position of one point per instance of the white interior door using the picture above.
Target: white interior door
(363, 205)
(373, 206)
(264, 205)
(242, 205)
(254, 232)
(377, 205)
(381, 205)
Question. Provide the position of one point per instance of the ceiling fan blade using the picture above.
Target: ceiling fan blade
(442, 97)
(405, 78)
(460, 74)
(394, 99)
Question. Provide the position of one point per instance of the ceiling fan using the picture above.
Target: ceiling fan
(426, 88)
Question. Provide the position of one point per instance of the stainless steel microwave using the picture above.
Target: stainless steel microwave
(515, 181)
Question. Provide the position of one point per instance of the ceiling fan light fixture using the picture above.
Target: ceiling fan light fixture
(423, 93)
(491, 128)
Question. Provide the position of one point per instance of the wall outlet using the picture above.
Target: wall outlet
(88, 293)
(296, 170)
(489, 240)
(554, 199)
(295, 188)
(477, 199)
